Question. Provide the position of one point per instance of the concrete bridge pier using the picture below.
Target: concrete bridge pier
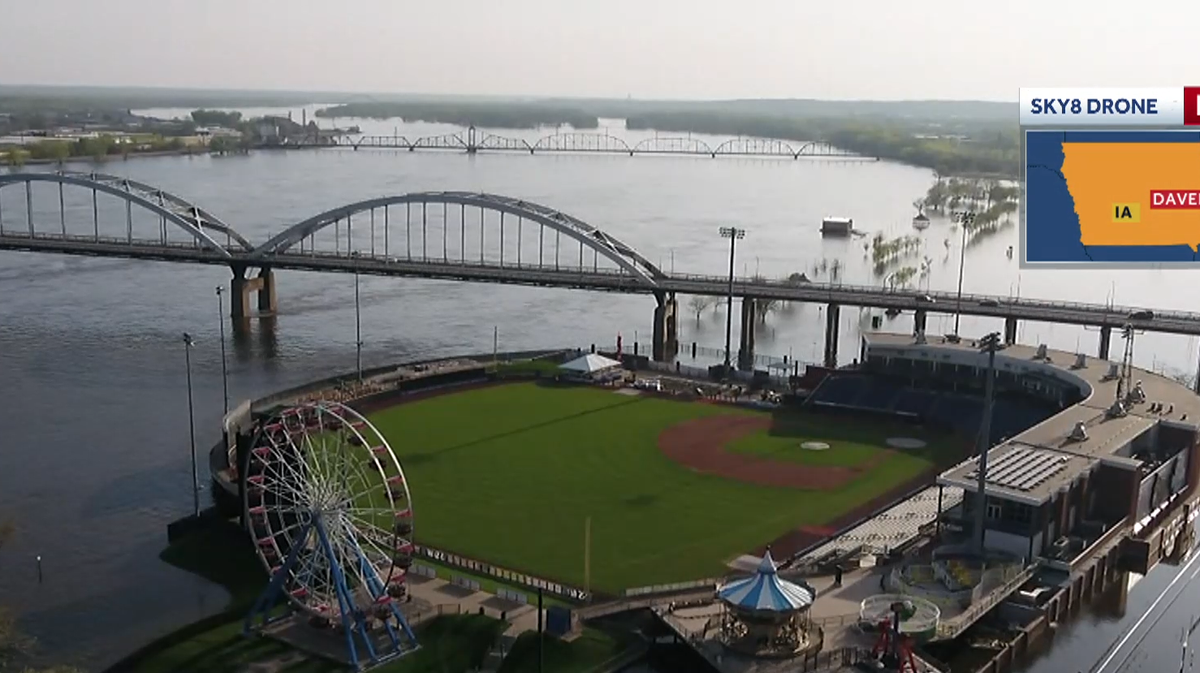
(1105, 341)
(920, 318)
(1196, 383)
(749, 323)
(833, 315)
(666, 328)
(241, 287)
(1010, 331)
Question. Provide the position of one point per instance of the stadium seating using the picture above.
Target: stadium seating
(959, 411)
(879, 394)
(840, 390)
(915, 401)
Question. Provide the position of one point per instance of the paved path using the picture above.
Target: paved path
(433, 597)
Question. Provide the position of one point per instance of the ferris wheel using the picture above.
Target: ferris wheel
(329, 510)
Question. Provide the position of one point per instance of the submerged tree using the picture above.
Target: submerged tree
(698, 305)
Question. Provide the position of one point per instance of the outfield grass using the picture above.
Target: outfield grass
(509, 474)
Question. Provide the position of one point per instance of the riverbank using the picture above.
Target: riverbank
(457, 629)
(113, 157)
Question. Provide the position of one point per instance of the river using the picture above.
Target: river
(94, 456)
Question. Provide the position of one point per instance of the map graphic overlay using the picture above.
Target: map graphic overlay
(1128, 197)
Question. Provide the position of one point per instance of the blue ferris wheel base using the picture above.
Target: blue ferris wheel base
(286, 623)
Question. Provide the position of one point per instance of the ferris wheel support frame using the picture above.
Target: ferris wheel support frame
(344, 561)
(351, 624)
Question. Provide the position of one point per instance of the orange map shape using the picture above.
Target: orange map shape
(1102, 175)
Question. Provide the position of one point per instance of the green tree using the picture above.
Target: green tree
(15, 159)
(60, 152)
(217, 118)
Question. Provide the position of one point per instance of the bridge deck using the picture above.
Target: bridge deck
(1174, 322)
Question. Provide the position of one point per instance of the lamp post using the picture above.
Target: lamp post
(989, 344)
(965, 222)
(187, 354)
(224, 362)
(733, 234)
(358, 343)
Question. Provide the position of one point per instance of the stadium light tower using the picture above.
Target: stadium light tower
(965, 222)
(733, 234)
(187, 354)
(358, 342)
(989, 344)
(224, 360)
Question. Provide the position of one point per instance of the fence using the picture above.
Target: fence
(422, 570)
(502, 574)
(672, 588)
(951, 628)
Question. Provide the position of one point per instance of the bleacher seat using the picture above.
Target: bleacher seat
(880, 394)
(914, 401)
(841, 390)
(961, 412)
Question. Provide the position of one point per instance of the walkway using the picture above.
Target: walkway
(434, 597)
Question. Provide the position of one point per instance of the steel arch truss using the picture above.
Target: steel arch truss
(605, 245)
(821, 148)
(756, 147)
(582, 141)
(673, 145)
(196, 221)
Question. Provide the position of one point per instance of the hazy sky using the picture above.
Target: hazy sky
(881, 49)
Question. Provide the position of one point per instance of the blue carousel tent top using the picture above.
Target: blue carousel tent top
(764, 590)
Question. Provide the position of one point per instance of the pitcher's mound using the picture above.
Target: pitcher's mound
(814, 446)
(905, 443)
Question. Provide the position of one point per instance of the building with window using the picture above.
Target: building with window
(1104, 476)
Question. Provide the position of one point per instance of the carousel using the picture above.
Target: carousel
(767, 616)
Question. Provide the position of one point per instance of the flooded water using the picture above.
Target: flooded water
(94, 450)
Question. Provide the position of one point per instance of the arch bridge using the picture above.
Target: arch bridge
(464, 236)
(451, 235)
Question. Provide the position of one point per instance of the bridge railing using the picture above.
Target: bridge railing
(944, 301)
(741, 283)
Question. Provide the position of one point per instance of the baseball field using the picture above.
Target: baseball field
(510, 473)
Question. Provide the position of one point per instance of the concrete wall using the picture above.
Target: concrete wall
(1017, 545)
(1166, 480)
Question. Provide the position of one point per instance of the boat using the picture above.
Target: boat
(920, 222)
(837, 226)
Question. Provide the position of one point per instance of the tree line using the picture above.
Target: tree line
(988, 151)
(99, 147)
(485, 115)
(968, 148)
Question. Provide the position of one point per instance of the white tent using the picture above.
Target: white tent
(589, 364)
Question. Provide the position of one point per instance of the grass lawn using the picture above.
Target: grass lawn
(587, 653)
(509, 474)
(449, 644)
(850, 443)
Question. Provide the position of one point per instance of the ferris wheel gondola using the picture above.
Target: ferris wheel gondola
(328, 507)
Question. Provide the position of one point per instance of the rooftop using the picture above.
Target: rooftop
(1043, 459)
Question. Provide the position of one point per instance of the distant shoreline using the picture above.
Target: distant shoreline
(114, 157)
(184, 152)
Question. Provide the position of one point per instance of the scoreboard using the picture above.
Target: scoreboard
(1110, 177)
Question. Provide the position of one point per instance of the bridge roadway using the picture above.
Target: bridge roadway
(1010, 308)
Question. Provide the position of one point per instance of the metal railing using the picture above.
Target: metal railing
(951, 628)
(764, 287)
